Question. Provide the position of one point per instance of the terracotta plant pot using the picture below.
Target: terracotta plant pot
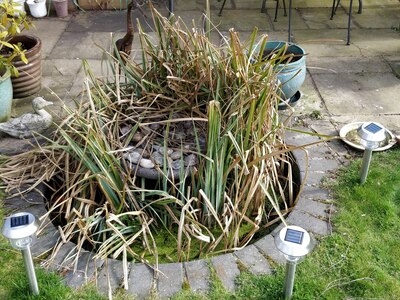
(61, 7)
(29, 80)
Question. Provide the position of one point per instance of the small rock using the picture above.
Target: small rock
(163, 150)
(176, 164)
(156, 148)
(146, 163)
(143, 152)
(155, 126)
(132, 157)
(179, 135)
(125, 129)
(137, 137)
(157, 158)
(176, 155)
(191, 160)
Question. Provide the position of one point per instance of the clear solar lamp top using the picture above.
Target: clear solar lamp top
(371, 134)
(20, 226)
(294, 241)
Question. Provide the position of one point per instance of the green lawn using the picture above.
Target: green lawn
(360, 260)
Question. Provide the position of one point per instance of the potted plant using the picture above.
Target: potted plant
(19, 53)
(6, 94)
(11, 22)
(290, 64)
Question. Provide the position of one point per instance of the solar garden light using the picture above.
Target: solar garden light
(371, 135)
(295, 243)
(20, 228)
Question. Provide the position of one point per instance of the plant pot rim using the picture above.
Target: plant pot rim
(275, 46)
(30, 36)
(31, 43)
(282, 43)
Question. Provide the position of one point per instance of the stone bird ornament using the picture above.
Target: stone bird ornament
(23, 126)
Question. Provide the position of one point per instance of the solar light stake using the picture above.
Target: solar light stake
(289, 278)
(371, 135)
(365, 165)
(19, 229)
(295, 243)
(30, 270)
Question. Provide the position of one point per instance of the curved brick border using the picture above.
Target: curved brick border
(311, 213)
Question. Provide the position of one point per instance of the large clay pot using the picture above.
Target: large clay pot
(61, 7)
(6, 95)
(292, 74)
(29, 80)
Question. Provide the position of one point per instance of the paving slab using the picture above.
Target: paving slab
(340, 64)
(266, 246)
(198, 275)
(311, 205)
(312, 224)
(253, 260)
(367, 94)
(64, 258)
(111, 276)
(141, 283)
(234, 19)
(170, 278)
(45, 241)
(226, 269)
(49, 31)
(85, 270)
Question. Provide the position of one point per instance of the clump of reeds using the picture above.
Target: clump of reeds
(242, 182)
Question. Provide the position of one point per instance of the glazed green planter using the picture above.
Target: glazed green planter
(6, 95)
(291, 75)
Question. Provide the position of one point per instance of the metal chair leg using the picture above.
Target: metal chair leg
(290, 22)
(349, 23)
(335, 6)
(360, 6)
(276, 9)
(263, 6)
(222, 8)
(170, 7)
(284, 8)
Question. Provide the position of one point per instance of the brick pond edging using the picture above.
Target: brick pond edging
(312, 212)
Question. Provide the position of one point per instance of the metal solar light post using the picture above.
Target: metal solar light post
(295, 243)
(20, 228)
(371, 134)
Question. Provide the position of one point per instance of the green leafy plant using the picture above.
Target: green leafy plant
(12, 22)
(240, 185)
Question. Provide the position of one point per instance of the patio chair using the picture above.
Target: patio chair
(276, 9)
(223, 5)
(334, 8)
(335, 5)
